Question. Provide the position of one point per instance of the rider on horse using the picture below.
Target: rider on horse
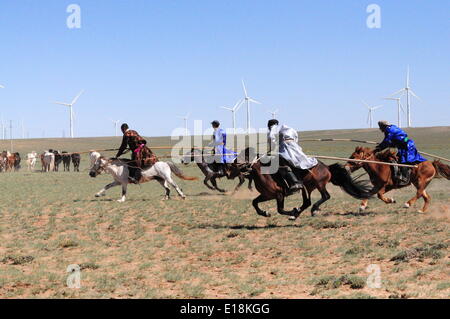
(223, 156)
(291, 154)
(141, 156)
(407, 151)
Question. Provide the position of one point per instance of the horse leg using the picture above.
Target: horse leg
(255, 203)
(241, 181)
(205, 181)
(170, 181)
(124, 193)
(306, 196)
(363, 206)
(325, 196)
(280, 208)
(213, 181)
(421, 184)
(104, 189)
(167, 189)
(387, 200)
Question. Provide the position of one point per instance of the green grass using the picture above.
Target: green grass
(213, 245)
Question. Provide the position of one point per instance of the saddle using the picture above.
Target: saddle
(401, 176)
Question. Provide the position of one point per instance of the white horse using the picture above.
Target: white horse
(160, 171)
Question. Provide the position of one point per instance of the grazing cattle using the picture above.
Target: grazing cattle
(76, 158)
(93, 156)
(58, 160)
(48, 161)
(66, 161)
(31, 160)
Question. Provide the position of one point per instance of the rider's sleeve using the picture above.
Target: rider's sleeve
(123, 146)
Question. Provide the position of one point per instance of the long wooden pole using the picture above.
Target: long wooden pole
(363, 161)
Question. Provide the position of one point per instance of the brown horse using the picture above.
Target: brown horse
(271, 187)
(383, 180)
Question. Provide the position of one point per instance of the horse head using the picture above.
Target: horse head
(360, 153)
(98, 167)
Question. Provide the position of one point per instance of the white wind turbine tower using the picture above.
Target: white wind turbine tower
(233, 110)
(399, 108)
(70, 105)
(116, 125)
(370, 115)
(407, 90)
(185, 119)
(248, 99)
(274, 113)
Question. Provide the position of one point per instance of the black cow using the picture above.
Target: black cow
(66, 161)
(76, 158)
(58, 160)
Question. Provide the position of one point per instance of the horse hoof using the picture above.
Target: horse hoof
(393, 201)
(361, 209)
(406, 205)
(120, 200)
(183, 197)
(420, 211)
(292, 218)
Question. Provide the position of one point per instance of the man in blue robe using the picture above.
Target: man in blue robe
(219, 142)
(407, 151)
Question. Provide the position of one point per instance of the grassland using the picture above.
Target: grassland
(213, 245)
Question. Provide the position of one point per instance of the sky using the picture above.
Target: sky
(149, 62)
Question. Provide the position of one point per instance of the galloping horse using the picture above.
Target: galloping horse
(160, 171)
(382, 178)
(207, 168)
(271, 187)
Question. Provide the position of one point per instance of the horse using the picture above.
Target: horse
(66, 161)
(383, 180)
(48, 161)
(271, 186)
(118, 168)
(208, 170)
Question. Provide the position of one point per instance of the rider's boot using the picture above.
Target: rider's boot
(133, 172)
(294, 184)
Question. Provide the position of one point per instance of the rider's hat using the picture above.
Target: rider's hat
(383, 124)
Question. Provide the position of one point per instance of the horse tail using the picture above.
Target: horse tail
(179, 173)
(442, 169)
(342, 178)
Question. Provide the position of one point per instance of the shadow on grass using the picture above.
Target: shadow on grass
(247, 227)
(206, 194)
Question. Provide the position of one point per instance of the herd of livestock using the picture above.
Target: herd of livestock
(50, 161)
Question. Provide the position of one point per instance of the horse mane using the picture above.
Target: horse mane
(387, 156)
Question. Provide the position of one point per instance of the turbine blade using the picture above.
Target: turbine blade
(245, 89)
(399, 91)
(414, 94)
(376, 107)
(61, 103)
(239, 105)
(226, 108)
(367, 105)
(76, 98)
(254, 101)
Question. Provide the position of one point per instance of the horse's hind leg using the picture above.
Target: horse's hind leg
(174, 185)
(325, 196)
(104, 189)
(124, 193)
(166, 187)
(213, 181)
(205, 181)
(420, 185)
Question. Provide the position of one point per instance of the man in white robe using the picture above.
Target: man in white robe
(285, 139)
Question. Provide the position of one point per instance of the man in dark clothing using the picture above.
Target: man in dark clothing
(141, 155)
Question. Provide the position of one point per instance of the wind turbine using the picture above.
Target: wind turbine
(274, 113)
(233, 110)
(116, 124)
(70, 105)
(370, 115)
(407, 90)
(399, 108)
(185, 119)
(248, 100)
